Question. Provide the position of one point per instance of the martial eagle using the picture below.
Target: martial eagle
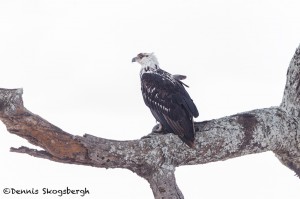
(167, 99)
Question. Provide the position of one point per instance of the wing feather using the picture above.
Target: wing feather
(175, 126)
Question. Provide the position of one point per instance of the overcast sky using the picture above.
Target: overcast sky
(73, 59)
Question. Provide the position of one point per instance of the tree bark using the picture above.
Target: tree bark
(155, 157)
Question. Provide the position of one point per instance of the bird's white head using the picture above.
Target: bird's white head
(147, 61)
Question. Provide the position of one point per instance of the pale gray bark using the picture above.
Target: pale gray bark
(155, 157)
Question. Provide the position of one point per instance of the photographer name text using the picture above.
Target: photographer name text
(46, 191)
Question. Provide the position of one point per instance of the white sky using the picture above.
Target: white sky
(73, 59)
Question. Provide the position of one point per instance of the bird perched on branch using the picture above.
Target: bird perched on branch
(167, 99)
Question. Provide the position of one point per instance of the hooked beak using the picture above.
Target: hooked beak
(134, 59)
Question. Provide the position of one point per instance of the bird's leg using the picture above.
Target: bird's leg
(157, 129)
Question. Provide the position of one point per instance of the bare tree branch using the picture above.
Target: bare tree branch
(291, 97)
(291, 104)
(155, 157)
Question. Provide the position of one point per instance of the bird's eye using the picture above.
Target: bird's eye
(140, 55)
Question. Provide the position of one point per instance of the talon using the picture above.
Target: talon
(157, 129)
(146, 136)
